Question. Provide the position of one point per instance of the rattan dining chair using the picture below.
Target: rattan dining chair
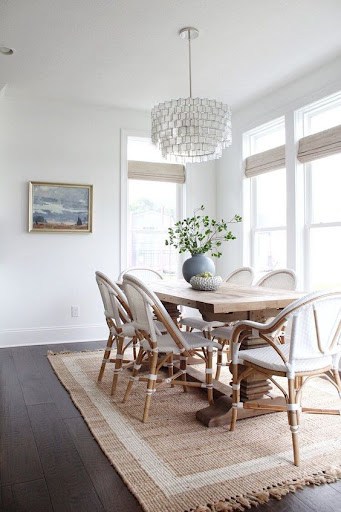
(284, 279)
(312, 348)
(144, 273)
(242, 276)
(121, 330)
(158, 348)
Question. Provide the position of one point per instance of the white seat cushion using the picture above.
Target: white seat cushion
(167, 344)
(223, 333)
(268, 358)
(198, 341)
(200, 324)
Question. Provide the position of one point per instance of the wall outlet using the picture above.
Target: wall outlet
(74, 311)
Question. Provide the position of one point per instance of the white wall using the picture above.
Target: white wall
(201, 187)
(313, 86)
(43, 274)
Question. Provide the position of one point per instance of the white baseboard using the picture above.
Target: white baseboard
(47, 335)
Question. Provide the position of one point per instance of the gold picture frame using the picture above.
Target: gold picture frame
(60, 207)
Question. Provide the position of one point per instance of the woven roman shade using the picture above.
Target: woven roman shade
(154, 171)
(320, 145)
(266, 161)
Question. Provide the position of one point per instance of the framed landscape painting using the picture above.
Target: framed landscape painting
(60, 207)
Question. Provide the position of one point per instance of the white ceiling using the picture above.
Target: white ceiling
(127, 52)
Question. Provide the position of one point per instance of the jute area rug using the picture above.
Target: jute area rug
(173, 463)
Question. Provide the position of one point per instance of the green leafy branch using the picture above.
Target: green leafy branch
(200, 234)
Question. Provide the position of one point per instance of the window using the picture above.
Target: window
(264, 150)
(300, 229)
(153, 205)
(322, 212)
(321, 115)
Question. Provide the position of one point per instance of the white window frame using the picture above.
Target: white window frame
(180, 195)
(304, 178)
(250, 194)
(309, 225)
(298, 184)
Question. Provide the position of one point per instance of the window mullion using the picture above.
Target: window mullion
(291, 200)
(253, 218)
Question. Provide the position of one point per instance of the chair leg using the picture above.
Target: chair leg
(219, 361)
(134, 347)
(150, 385)
(137, 366)
(293, 420)
(118, 363)
(106, 356)
(207, 334)
(228, 352)
(209, 372)
(235, 396)
(298, 382)
(170, 367)
(183, 366)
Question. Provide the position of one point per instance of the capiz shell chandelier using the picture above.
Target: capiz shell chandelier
(191, 129)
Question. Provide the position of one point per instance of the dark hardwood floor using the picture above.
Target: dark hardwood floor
(49, 460)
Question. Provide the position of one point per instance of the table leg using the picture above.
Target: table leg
(173, 311)
(255, 387)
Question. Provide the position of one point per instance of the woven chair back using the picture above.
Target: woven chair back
(314, 329)
(144, 304)
(284, 279)
(114, 301)
(143, 273)
(243, 276)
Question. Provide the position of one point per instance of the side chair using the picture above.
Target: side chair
(284, 279)
(121, 330)
(158, 347)
(144, 273)
(312, 348)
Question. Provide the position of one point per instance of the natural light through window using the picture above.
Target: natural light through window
(152, 208)
(268, 201)
(322, 248)
(269, 137)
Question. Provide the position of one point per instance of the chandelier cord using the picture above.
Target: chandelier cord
(189, 63)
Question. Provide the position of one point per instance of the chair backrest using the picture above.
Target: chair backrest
(144, 304)
(243, 276)
(283, 278)
(314, 326)
(114, 301)
(144, 273)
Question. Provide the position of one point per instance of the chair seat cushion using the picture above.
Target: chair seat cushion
(166, 343)
(196, 340)
(200, 324)
(268, 358)
(223, 333)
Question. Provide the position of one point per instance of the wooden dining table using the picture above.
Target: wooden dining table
(229, 303)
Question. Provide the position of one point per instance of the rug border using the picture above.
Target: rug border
(232, 503)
